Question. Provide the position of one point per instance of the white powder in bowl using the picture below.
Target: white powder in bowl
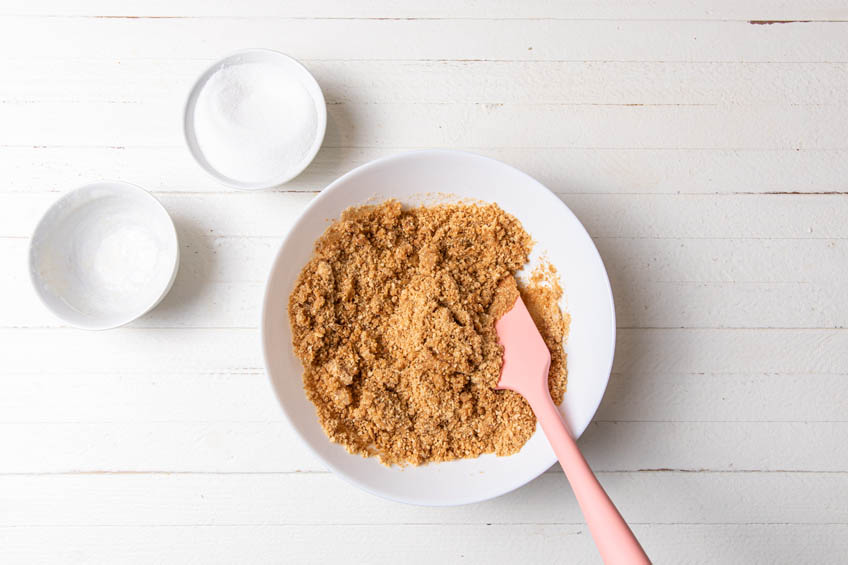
(255, 122)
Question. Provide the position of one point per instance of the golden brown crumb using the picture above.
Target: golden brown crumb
(541, 296)
(393, 320)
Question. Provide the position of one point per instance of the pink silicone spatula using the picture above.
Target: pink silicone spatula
(526, 361)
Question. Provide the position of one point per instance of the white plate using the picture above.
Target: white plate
(424, 177)
(288, 67)
(103, 255)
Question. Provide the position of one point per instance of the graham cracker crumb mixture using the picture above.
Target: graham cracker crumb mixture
(393, 319)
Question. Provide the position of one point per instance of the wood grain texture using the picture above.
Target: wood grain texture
(34, 169)
(242, 396)
(221, 284)
(440, 9)
(624, 216)
(701, 143)
(429, 39)
(140, 81)
(757, 10)
(273, 447)
(284, 499)
(420, 544)
(203, 351)
(427, 125)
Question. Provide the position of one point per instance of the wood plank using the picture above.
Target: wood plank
(225, 259)
(545, 9)
(710, 216)
(424, 544)
(213, 351)
(627, 216)
(237, 447)
(721, 260)
(455, 125)
(750, 397)
(194, 303)
(313, 544)
(731, 351)
(378, 39)
(730, 305)
(323, 499)
(566, 170)
(126, 349)
(162, 396)
(657, 283)
(495, 82)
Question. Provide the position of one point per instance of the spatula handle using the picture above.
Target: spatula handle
(615, 541)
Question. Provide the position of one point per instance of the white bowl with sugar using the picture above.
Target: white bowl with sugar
(103, 255)
(255, 119)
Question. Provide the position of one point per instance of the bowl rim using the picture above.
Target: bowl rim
(188, 120)
(41, 226)
(459, 500)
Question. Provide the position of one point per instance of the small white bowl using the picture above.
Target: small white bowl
(103, 255)
(294, 71)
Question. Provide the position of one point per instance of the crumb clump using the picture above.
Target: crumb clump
(393, 320)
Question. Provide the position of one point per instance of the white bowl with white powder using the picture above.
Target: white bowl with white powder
(255, 119)
(103, 255)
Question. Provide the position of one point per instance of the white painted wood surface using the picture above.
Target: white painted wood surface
(703, 144)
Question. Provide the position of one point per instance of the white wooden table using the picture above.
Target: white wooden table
(703, 144)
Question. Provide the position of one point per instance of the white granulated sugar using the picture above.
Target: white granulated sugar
(255, 122)
(125, 260)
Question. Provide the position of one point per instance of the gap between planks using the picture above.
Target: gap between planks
(552, 470)
(420, 18)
